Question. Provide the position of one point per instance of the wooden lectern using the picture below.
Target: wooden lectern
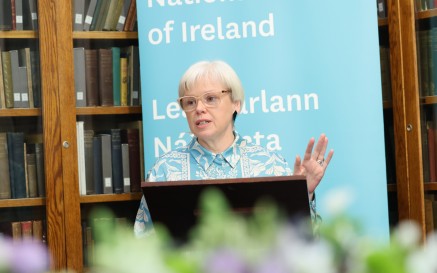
(175, 203)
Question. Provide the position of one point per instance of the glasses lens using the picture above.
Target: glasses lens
(188, 103)
(211, 99)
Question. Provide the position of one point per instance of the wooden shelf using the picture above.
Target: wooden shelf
(20, 112)
(101, 198)
(426, 14)
(430, 186)
(105, 35)
(428, 100)
(18, 34)
(110, 110)
(23, 202)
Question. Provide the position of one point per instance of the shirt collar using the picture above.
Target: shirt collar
(205, 158)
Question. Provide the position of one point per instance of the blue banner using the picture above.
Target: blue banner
(308, 67)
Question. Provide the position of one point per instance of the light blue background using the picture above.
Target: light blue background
(325, 47)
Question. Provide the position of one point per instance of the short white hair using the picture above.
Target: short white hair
(218, 71)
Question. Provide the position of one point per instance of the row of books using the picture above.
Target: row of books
(422, 5)
(28, 229)
(110, 161)
(107, 76)
(18, 15)
(21, 166)
(19, 79)
(427, 51)
(98, 15)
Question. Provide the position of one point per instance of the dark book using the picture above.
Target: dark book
(35, 70)
(31, 175)
(14, 17)
(19, 14)
(382, 8)
(89, 161)
(5, 182)
(30, 15)
(5, 15)
(40, 171)
(105, 77)
(97, 165)
(125, 166)
(131, 17)
(89, 14)
(122, 18)
(131, 136)
(2, 86)
(19, 80)
(116, 76)
(78, 15)
(92, 77)
(136, 124)
(79, 76)
(7, 79)
(116, 160)
(96, 14)
(106, 156)
(16, 164)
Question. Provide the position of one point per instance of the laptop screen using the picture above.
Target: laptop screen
(176, 203)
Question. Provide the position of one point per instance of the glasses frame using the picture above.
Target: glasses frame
(197, 98)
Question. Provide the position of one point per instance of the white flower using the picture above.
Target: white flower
(337, 201)
(407, 234)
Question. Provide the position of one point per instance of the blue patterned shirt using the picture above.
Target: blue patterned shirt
(194, 162)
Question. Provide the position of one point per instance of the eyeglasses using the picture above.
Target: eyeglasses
(209, 99)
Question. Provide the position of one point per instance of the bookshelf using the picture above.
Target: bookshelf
(64, 208)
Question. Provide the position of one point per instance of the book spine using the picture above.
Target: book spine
(16, 164)
(91, 77)
(117, 168)
(97, 164)
(105, 77)
(39, 154)
(126, 167)
(89, 161)
(5, 15)
(106, 157)
(5, 182)
(7, 79)
(116, 75)
(2, 86)
(79, 76)
(31, 175)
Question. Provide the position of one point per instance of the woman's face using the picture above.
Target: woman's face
(213, 126)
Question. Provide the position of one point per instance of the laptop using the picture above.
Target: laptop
(175, 203)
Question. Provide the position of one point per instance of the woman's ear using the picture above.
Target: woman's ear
(237, 106)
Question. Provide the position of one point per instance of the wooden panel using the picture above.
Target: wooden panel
(409, 172)
(67, 115)
(52, 131)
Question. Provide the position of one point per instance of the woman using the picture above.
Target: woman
(211, 95)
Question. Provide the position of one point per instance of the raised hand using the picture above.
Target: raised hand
(314, 163)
